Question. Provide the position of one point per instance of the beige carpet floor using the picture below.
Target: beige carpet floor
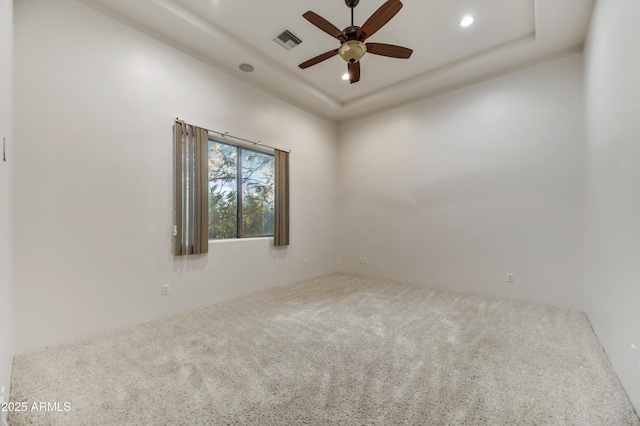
(340, 350)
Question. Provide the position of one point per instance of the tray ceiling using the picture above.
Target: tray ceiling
(505, 34)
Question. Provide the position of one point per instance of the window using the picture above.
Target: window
(226, 191)
(241, 192)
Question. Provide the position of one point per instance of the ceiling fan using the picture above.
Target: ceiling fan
(352, 47)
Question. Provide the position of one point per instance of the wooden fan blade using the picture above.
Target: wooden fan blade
(379, 18)
(325, 26)
(318, 59)
(354, 72)
(389, 50)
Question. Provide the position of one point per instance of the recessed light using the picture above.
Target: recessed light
(466, 21)
(345, 76)
(246, 67)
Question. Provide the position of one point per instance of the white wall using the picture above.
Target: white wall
(612, 273)
(94, 107)
(457, 190)
(6, 297)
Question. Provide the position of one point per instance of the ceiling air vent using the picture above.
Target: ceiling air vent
(287, 39)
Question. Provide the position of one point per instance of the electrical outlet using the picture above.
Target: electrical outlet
(306, 262)
(165, 289)
(366, 260)
(509, 277)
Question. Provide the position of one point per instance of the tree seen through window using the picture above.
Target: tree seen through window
(240, 180)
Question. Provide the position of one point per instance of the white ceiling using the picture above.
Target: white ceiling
(506, 34)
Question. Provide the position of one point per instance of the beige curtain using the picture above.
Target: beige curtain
(281, 225)
(191, 190)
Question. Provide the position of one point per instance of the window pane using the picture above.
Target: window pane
(257, 194)
(223, 191)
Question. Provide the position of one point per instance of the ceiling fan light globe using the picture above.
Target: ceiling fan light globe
(352, 51)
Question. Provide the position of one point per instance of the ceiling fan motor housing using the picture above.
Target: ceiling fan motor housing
(351, 32)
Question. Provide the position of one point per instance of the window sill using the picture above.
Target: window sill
(234, 240)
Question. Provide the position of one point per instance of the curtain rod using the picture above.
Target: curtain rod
(227, 134)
